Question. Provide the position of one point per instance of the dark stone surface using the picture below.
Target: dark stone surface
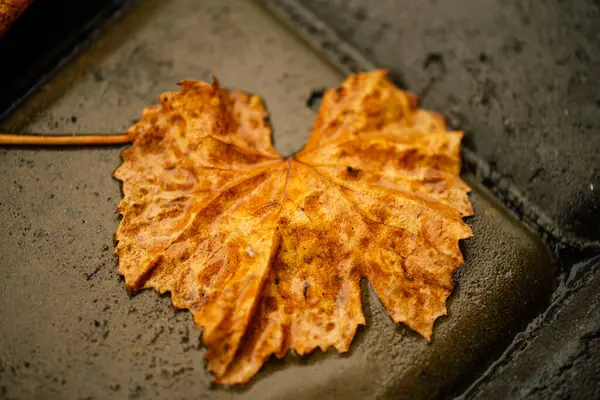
(43, 39)
(563, 360)
(68, 329)
(520, 76)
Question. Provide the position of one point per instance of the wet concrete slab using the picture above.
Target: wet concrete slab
(521, 77)
(566, 352)
(68, 328)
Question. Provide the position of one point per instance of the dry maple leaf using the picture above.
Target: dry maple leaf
(268, 252)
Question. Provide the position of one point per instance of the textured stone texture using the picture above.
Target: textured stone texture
(521, 76)
(566, 353)
(68, 329)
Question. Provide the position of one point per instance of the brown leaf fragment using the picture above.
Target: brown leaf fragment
(10, 10)
(268, 253)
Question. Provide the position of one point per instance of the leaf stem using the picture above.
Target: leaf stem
(62, 140)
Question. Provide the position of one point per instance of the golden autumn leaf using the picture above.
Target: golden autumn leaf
(267, 252)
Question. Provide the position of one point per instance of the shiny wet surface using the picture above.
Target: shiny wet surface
(68, 327)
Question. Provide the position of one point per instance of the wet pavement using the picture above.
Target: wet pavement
(521, 77)
(68, 328)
